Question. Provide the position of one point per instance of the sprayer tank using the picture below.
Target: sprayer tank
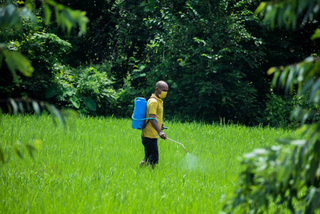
(139, 113)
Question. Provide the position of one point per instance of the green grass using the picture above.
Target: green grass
(92, 166)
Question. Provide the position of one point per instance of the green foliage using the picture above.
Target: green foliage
(288, 13)
(46, 47)
(12, 15)
(213, 53)
(85, 89)
(272, 176)
(203, 65)
(278, 111)
(125, 95)
(45, 50)
(12, 12)
(15, 61)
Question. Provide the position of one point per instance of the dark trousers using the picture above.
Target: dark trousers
(151, 153)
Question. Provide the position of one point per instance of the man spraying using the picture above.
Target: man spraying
(152, 129)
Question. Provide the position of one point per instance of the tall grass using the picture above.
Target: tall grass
(92, 166)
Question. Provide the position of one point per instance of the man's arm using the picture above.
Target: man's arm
(157, 128)
(162, 127)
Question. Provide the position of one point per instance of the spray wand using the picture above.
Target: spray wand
(178, 143)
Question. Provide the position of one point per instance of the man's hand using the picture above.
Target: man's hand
(157, 128)
(162, 135)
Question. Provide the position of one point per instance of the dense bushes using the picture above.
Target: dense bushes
(45, 51)
(213, 54)
(279, 111)
(88, 90)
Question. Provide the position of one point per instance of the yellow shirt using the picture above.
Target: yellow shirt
(154, 106)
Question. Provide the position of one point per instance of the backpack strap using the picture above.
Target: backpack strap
(146, 121)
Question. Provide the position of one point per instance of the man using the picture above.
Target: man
(152, 129)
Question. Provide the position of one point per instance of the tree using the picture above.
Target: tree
(213, 54)
(116, 32)
(27, 46)
(12, 15)
(220, 48)
(272, 177)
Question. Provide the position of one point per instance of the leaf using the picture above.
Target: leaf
(271, 70)
(289, 83)
(316, 202)
(311, 194)
(142, 4)
(298, 142)
(18, 152)
(14, 21)
(57, 14)
(316, 35)
(309, 59)
(8, 15)
(52, 91)
(315, 87)
(14, 106)
(90, 103)
(16, 60)
(275, 78)
(275, 148)
(146, 9)
(75, 101)
(287, 172)
(47, 14)
(56, 112)
(30, 149)
(51, 3)
(9, 109)
(152, 2)
(260, 8)
(20, 105)
(305, 117)
(249, 155)
(306, 87)
(36, 108)
(67, 20)
(260, 151)
(283, 77)
(1, 155)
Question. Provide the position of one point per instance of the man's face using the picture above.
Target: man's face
(163, 87)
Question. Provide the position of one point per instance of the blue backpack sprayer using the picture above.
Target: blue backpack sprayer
(139, 116)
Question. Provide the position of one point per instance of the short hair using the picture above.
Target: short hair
(160, 83)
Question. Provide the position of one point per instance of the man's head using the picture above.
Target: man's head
(161, 89)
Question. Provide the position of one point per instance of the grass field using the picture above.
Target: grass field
(92, 166)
